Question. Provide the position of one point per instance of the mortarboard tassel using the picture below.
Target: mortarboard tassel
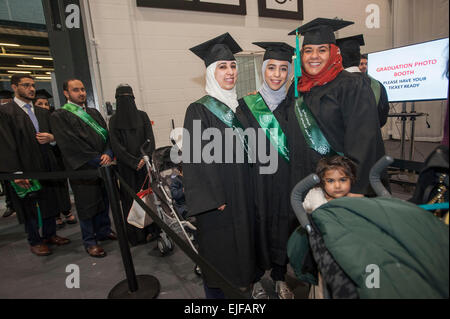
(297, 63)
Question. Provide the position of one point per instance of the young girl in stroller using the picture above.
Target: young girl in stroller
(337, 174)
(177, 191)
(379, 247)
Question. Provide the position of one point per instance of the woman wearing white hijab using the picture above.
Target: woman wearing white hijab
(217, 192)
(263, 111)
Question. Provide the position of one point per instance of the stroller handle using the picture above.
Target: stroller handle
(297, 199)
(143, 146)
(374, 176)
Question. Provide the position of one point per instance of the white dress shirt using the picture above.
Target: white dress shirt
(22, 104)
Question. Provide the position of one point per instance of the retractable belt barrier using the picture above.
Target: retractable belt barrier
(110, 177)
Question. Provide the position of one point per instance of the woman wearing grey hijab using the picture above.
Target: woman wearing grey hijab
(264, 111)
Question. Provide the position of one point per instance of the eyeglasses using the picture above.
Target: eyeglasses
(28, 85)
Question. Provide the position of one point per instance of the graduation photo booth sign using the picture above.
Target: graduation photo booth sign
(218, 6)
(283, 9)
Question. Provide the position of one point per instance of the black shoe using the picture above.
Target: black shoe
(111, 236)
(8, 212)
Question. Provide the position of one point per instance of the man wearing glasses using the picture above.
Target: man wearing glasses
(29, 150)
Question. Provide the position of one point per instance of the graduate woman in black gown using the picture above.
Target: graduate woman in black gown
(335, 112)
(129, 128)
(272, 205)
(217, 193)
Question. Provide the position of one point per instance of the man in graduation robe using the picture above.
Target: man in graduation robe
(29, 150)
(341, 105)
(82, 136)
(6, 96)
(351, 56)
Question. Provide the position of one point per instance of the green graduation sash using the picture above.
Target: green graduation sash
(376, 88)
(86, 118)
(267, 120)
(226, 115)
(311, 130)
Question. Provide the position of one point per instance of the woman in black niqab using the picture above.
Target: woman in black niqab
(129, 128)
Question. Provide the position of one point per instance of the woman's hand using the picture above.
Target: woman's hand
(140, 164)
(221, 208)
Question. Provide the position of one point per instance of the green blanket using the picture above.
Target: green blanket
(409, 246)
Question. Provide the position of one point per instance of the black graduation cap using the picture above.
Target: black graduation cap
(321, 30)
(6, 94)
(352, 43)
(43, 94)
(220, 48)
(276, 50)
(350, 49)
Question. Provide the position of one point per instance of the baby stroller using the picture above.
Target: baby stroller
(158, 170)
(369, 247)
(432, 188)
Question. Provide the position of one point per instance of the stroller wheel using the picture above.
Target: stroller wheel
(164, 246)
(197, 271)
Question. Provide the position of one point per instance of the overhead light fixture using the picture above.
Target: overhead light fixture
(28, 72)
(49, 73)
(42, 58)
(9, 44)
(43, 77)
(29, 66)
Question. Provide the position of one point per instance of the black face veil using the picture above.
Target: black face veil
(127, 114)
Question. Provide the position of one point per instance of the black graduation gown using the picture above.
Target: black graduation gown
(126, 145)
(79, 144)
(273, 214)
(346, 113)
(383, 103)
(9, 161)
(62, 194)
(225, 238)
(31, 157)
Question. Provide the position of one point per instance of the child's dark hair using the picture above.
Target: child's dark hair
(341, 163)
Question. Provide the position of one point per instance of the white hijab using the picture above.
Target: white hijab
(227, 97)
(271, 97)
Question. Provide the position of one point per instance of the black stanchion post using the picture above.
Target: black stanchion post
(134, 287)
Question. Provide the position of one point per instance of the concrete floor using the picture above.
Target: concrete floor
(25, 275)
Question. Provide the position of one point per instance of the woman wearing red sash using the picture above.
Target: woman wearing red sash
(337, 105)
(218, 191)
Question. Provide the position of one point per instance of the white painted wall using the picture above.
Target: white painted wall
(148, 48)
